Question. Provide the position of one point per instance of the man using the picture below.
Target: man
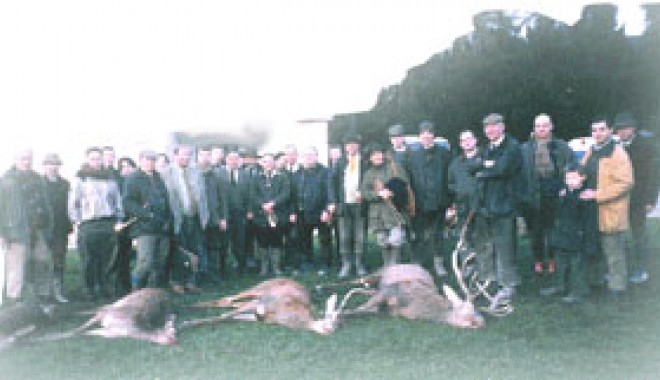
(57, 189)
(148, 211)
(235, 182)
(643, 155)
(26, 225)
(462, 183)
(310, 210)
(292, 240)
(108, 161)
(121, 267)
(210, 264)
(498, 176)
(217, 156)
(190, 207)
(349, 207)
(609, 181)
(334, 160)
(427, 168)
(399, 151)
(387, 216)
(544, 158)
(250, 165)
(269, 203)
(94, 207)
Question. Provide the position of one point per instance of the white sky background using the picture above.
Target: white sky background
(80, 73)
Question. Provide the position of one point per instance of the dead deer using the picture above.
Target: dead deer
(279, 301)
(145, 314)
(21, 319)
(408, 291)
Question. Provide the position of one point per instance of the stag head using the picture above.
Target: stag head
(329, 323)
(462, 313)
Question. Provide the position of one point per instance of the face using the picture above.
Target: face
(467, 141)
(493, 132)
(95, 159)
(542, 130)
(108, 157)
(268, 162)
(291, 156)
(125, 168)
(217, 155)
(352, 148)
(24, 160)
(334, 153)
(376, 158)
(233, 160)
(148, 164)
(162, 161)
(183, 155)
(310, 158)
(204, 158)
(427, 138)
(601, 132)
(51, 170)
(574, 179)
(625, 133)
(397, 141)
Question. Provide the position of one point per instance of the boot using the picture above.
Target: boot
(386, 252)
(345, 266)
(276, 257)
(57, 292)
(395, 255)
(439, 267)
(264, 262)
(359, 268)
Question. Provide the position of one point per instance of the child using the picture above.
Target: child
(572, 237)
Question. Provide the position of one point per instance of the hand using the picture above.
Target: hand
(331, 208)
(223, 224)
(385, 193)
(562, 192)
(588, 194)
(292, 218)
(250, 215)
(488, 163)
(325, 217)
(358, 197)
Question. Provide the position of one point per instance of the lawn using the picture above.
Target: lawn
(542, 339)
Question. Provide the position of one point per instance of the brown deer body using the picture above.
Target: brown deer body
(408, 291)
(280, 301)
(145, 314)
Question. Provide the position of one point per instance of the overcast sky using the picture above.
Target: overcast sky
(79, 73)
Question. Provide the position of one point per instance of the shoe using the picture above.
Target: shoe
(360, 271)
(538, 267)
(639, 277)
(571, 298)
(503, 295)
(551, 266)
(345, 270)
(549, 291)
(178, 289)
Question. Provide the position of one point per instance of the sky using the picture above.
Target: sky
(81, 73)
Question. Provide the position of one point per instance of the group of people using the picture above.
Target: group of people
(184, 216)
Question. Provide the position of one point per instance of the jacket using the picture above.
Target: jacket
(382, 214)
(533, 187)
(313, 193)
(94, 195)
(172, 176)
(427, 169)
(145, 198)
(614, 182)
(643, 156)
(339, 186)
(270, 189)
(58, 193)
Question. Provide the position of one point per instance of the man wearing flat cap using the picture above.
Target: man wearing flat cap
(57, 189)
(350, 209)
(427, 168)
(641, 149)
(498, 177)
(399, 150)
(146, 202)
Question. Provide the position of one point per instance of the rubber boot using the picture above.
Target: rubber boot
(439, 267)
(386, 253)
(359, 268)
(57, 292)
(264, 262)
(345, 266)
(276, 257)
(395, 255)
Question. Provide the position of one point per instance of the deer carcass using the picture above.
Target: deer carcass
(145, 314)
(280, 301)
(408, 291)
(21, 319)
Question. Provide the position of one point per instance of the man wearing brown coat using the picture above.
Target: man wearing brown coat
(609, 181)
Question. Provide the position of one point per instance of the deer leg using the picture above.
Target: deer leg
(238, 313)
(230, 301)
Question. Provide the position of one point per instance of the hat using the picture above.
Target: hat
(148, 154)
(52, 158)
(624, 120)
(493, 118)
(395, 130)
(426, 126)
(352, 137)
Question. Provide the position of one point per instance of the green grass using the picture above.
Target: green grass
(542, 339)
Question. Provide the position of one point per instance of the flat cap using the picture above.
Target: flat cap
(352, 137)
(493, 118)
(395, 130)
(147, 153)
(375, 147)
(52, 158)
(426, 126)
(624, 120)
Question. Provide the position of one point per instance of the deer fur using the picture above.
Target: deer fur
(145, 314)
(408, 291)
(279, 301)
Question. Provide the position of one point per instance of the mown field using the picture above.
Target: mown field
(542, 339)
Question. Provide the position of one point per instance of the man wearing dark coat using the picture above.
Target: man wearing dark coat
(427, 168)
(498, 177)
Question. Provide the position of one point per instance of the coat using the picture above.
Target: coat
(575, 227)
(614, 182)
(338, 178)
(94, 195)
(236, 193)
(270, 189)
(313, 193)
(427, 169)
(643, 156)
(58, 193)
(532, 187)
(145, 198)
(381, 214)
(171, 176)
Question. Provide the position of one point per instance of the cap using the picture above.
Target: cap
(352, 137)
(375, 147)
(52, 158)
(147, 153)
(395, 130)
(493, 118)
(426, 126)
(624, 120)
